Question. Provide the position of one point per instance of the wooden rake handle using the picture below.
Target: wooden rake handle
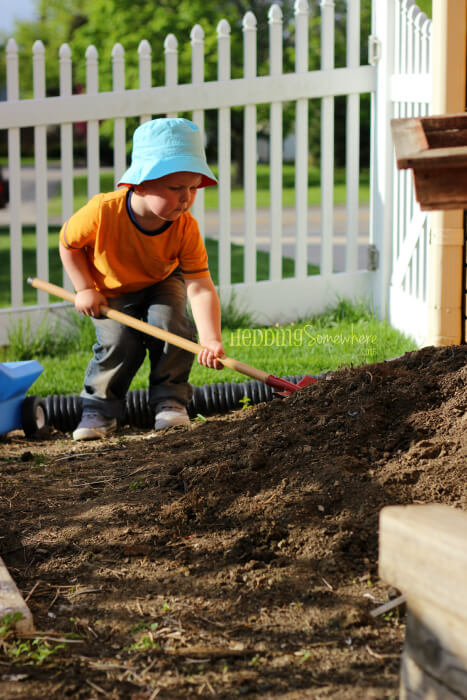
(156, 332)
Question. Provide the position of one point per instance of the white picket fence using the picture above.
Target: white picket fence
(277, 298)
(411, 97)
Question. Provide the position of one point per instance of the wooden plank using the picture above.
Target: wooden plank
(409, 140)
(437, 642)
(423, 552)
(446, 137)
(441, 187)
(445, 121)
(430, 140)
(417, 685)
(439, 157)
(11, 601)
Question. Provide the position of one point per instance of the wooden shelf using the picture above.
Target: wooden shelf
(435, 149)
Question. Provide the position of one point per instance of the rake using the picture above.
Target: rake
(282, 386)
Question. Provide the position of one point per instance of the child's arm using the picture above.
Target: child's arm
(205, 306)
(88, 299)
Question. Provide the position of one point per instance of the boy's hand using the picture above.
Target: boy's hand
(211, 351)
(88, 302)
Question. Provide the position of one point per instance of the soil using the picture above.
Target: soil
(236, 559)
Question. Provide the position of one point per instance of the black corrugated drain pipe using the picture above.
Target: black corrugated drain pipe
(64, 411)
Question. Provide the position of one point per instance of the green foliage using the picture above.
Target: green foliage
(8, 622)
(103, 23)
(145, 643)
(32, 652)
(245, 402)
(138, 484)
(426, 6)
(345, 311)
(26, 343)
(234, 315)
(52, 338)
(144, 625)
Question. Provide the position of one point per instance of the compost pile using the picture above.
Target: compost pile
(238, 559)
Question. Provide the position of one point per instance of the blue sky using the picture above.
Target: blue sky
(15, 9)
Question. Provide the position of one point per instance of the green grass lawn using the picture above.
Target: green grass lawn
(348, 335)
(237, 199)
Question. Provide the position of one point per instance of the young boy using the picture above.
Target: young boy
(139, 250)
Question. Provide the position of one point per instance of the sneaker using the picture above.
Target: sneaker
(94, 425)
(170, 413)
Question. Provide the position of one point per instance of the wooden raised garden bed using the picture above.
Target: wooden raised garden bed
(423, 553)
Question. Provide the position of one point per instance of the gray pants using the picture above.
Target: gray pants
(120, 350)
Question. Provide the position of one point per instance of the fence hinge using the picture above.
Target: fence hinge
(373, 257)
(374, 49)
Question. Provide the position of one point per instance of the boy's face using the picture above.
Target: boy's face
(170, 196)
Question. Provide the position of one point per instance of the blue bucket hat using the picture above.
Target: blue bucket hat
(165, 146)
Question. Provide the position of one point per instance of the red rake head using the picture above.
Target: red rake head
(289, 387)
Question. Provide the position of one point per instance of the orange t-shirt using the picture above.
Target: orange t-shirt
(123, 257)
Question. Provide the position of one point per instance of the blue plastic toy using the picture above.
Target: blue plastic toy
(17, 410)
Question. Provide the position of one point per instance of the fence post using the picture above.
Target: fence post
(327, 140)
(118, 79)
(171, 63)
(197, 76)
(352, 158)
(250, 150)
(382, 157)
(92, 129)
(66, 145)
(144, 67)
(447, 234)
(301, 142)
(40, 173)
(275, 153)
(224, 157)
(14, 166)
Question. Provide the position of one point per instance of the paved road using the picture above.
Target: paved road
(237, 223)
(288, 236)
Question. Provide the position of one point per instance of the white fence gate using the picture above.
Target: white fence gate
(411, 97)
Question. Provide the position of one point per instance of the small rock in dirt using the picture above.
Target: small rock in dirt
(175, 469)
(85, 494)
(256, 459)
(134, 550)
(27, 456)
(431, 452)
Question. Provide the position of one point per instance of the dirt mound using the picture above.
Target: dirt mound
(238, 558)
